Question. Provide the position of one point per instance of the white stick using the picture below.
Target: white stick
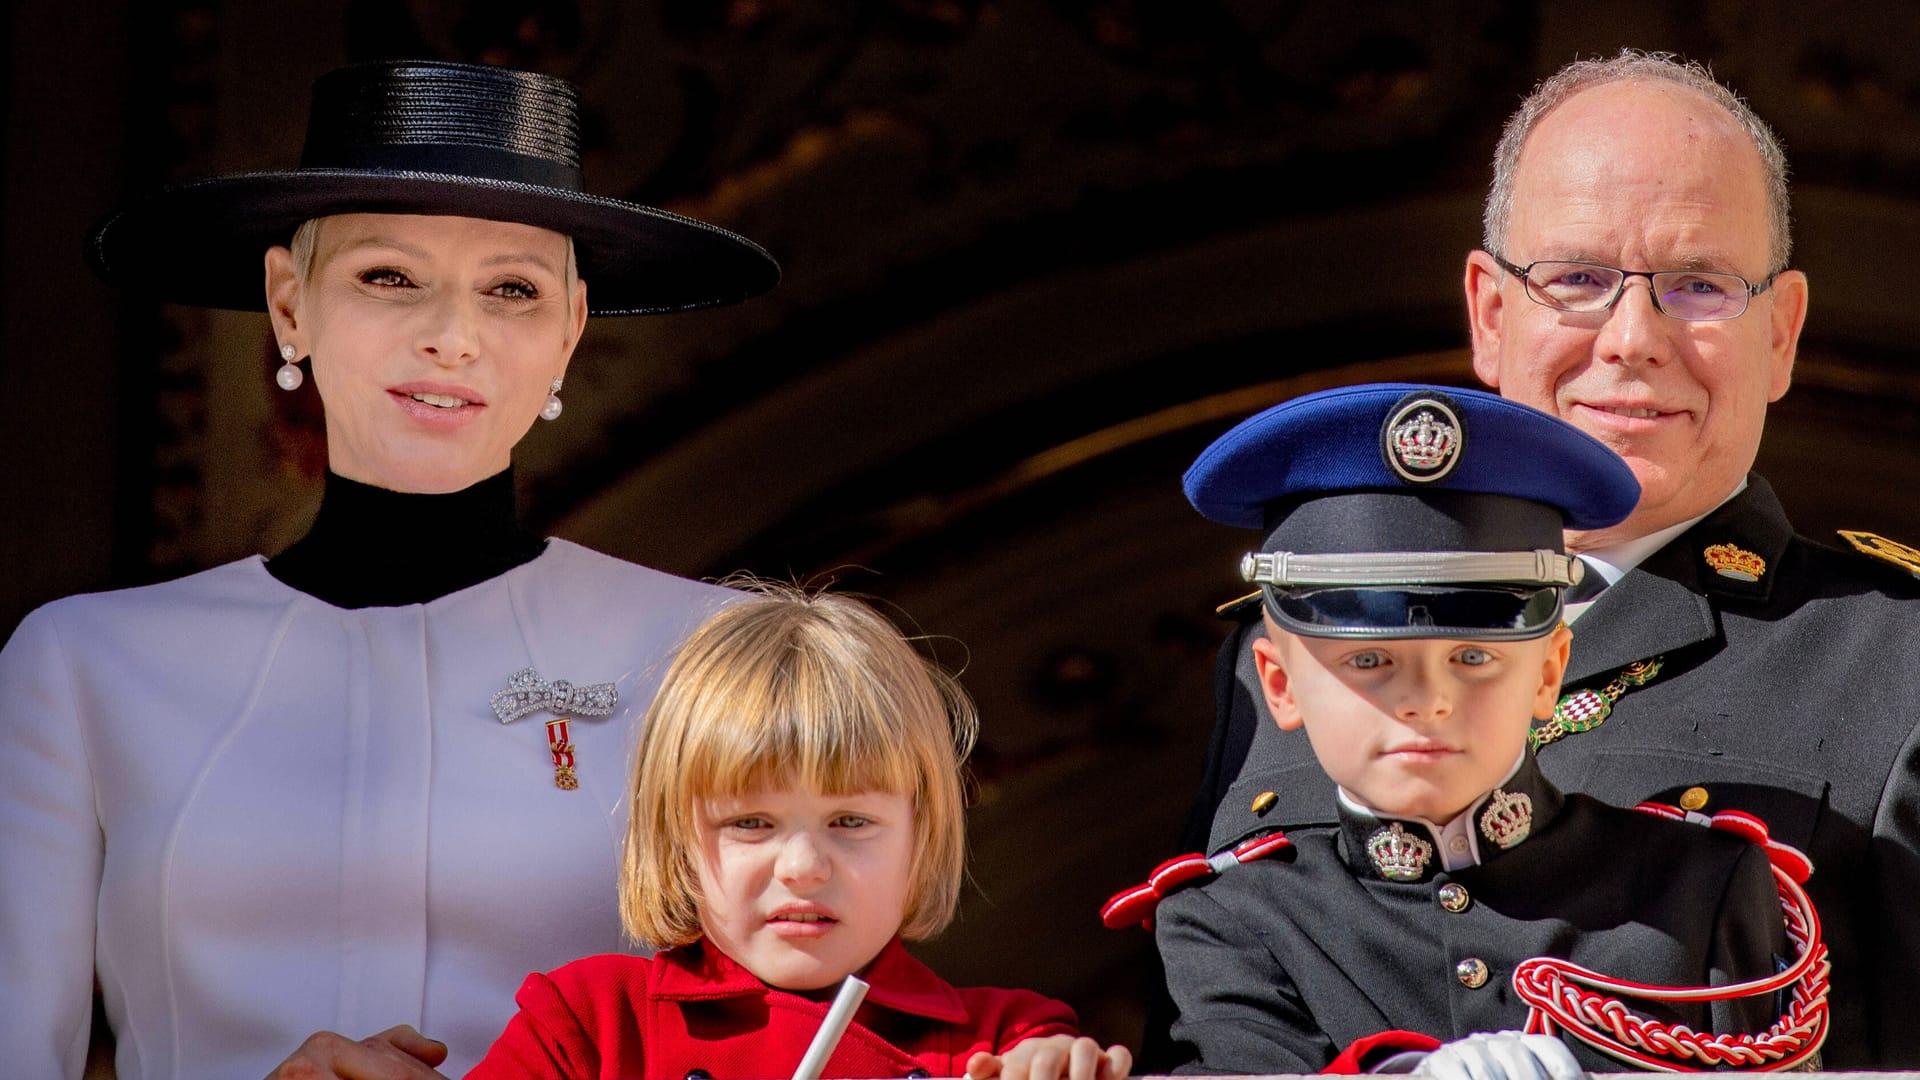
(852, 993)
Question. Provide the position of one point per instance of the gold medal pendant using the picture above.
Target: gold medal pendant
(562, 747)
(527, 692)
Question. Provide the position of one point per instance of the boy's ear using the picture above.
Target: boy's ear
(1552, 669)
(1274, 685)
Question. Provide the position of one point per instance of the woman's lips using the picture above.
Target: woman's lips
(440, 406)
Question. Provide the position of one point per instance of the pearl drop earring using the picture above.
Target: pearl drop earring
(551, 410)
(289, 376)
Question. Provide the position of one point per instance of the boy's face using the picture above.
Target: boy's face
(804, 889)
(1412, 728)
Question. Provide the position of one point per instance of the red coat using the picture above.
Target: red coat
(694, 1009)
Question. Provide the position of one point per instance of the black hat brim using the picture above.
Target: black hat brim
(201, 243)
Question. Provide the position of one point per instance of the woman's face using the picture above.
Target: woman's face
(435, 341)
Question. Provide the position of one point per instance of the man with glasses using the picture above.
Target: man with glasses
(1635, 282)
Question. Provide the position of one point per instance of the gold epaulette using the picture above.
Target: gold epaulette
(1893, 551)
(1244, 609)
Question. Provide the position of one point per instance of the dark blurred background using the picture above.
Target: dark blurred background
(1037, 254)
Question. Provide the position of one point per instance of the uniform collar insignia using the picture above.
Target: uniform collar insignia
(1398, 855)
(1734, 561)
(1406, 849)
(1507, 818)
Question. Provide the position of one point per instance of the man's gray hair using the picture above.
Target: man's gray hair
(1631, 65)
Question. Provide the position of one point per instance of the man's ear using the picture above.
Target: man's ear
(1788, 314)
(1552, 669)
(1274, 685)
(1486, 307)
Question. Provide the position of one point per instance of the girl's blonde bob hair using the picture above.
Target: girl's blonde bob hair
(789, 688)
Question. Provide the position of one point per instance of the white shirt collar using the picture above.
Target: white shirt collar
(1457, 843)
(1614, 561)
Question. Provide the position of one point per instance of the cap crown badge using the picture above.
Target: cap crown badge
(1398, 854)
(1734, 562)
(1423, 439)
(1508, 818)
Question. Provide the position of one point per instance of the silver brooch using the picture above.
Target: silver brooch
(1398, 854)
(1508, 818)
(527, 692)
(1423, 439)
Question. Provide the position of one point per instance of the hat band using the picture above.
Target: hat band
(484, 162)
(1540, 567)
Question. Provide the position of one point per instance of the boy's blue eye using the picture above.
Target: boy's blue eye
(1367, 661)
(1474, 657)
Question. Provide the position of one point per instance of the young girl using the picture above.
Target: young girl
(797, 810)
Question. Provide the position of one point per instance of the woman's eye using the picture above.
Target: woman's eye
(384, 276)
(517, 290)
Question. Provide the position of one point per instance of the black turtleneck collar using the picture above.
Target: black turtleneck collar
(370, 547)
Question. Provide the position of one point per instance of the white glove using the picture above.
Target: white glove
(1502, 1055)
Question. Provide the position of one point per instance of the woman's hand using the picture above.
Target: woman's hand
(398, 1053)
(1501, 1055)
(1055, 1057)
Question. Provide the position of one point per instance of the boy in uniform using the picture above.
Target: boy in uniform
(1411, 580)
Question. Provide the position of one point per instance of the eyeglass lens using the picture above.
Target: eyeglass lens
(1699, 296)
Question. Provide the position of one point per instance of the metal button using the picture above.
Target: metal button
(1454, 898)
(1693, 798)
(1264, 801)
(1472, 972)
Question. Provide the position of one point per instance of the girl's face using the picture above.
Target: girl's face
(804, 889)
(435, 341)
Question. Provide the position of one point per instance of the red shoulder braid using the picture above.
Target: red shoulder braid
(1131, 907)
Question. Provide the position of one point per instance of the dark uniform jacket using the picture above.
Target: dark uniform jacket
(1278, 964)
(1795, 697)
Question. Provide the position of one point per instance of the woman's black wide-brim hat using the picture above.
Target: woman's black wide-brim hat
(427, 137)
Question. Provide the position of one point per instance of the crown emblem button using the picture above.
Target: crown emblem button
(1472, 972)
(1453, 898)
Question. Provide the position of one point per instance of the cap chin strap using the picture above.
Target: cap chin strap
(1540, 567)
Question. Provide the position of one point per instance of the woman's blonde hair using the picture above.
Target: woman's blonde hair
(790, 688)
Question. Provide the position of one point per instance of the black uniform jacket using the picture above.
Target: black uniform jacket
(1795, 697)
(1276, 965)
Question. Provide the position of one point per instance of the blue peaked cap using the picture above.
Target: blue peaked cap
(1334, 442)
(1405, 511)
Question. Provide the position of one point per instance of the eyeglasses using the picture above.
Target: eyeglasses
(1692, 295)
